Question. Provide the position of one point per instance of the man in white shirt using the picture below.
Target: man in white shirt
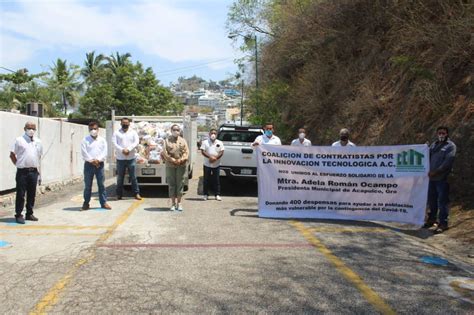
(125, 142)
(26, 154)
(268, 137)
(212, 150)
(94, 153)
(301, 141)
(344, 136)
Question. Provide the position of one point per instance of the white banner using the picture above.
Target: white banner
(388, 183)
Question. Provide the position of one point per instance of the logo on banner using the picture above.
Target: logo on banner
(410, 161)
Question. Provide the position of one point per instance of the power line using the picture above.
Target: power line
(177, 70)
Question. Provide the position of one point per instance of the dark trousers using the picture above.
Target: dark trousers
(438, 198)
(89, 172)
(130, 166)
(211, 180)
(26, 180)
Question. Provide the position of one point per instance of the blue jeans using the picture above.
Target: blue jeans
(438, 198)
(89, 172)
(121, 166)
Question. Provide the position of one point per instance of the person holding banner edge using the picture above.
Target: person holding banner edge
(442, 153)
(268, 137)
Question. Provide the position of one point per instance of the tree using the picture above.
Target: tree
(14, 92)
(64, 80)
(92, 66)
(118, 60)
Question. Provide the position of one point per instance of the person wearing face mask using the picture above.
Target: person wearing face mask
(25, 154)
(94, 153)
(175, 153)
(268, 137)
(301, 141)
(125, 142)
(344, 139)
(212, 149)
(442, 153)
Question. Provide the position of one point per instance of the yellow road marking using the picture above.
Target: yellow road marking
(51, 227)
(347, 230)
(369, 294)
(52, 296)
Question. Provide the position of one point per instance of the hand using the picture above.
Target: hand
(125, 151)
(255, 143)
(432, 173)
(212, 159)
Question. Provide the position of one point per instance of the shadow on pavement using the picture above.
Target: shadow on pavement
(233, 187)
(8, 220)
(72, 209)
(234, 211)
(156, 209)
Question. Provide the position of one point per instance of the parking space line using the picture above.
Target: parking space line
(52, 296)
(370, 295)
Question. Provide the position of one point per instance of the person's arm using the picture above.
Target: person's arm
(115, 143)
(136, 141)
(103, 155)
(448, 160)
(84, 153)
(257, 141)
(185, 156)
(165, 155)
(13, 158)
(221, 152)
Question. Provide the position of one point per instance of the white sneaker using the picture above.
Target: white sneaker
(180, 207)
(205, 197)
(173, 208)
(218, 198)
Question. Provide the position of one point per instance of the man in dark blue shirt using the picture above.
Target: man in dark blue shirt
(442, 153)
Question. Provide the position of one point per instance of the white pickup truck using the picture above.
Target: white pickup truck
(154, 174)
(240, 158)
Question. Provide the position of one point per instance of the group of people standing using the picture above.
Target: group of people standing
(27, 150)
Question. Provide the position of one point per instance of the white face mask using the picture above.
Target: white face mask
(302, 135)
(94, 133)
(213, 137)
(175, 134)
(30, 132)
(442, 138)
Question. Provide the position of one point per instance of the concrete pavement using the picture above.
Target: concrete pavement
(216, 257)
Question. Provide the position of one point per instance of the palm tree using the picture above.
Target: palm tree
(92, 64)
(65, 81)
(117, 60)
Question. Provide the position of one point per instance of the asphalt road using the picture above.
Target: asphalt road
(216, 257)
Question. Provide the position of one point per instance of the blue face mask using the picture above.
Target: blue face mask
(268, 133)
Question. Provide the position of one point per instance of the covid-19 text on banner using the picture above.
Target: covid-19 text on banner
(386, 183)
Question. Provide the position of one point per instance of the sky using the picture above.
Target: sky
(174, 37)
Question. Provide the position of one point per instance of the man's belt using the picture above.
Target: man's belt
(28, 169)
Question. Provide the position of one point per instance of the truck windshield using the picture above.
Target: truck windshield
(238, 136)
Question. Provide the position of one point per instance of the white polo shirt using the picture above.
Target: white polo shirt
(338, 144)
(28, 152)
(212, 149)
(94, 149)
(305, 143)
(263, 139)
(125, 140)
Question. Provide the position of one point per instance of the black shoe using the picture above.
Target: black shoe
(31, 217)
(85, 206)
(429, 224)
(19, 219)
(119, 197)
(440, 229)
